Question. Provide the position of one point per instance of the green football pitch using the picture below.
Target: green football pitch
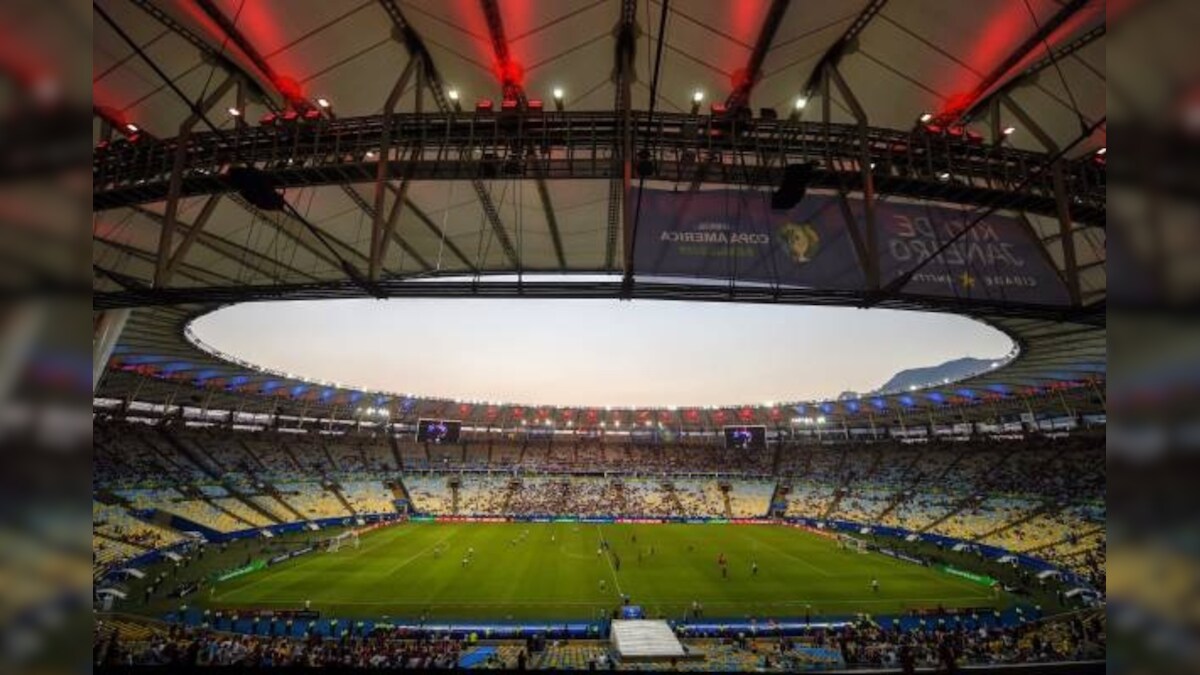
(558, 571)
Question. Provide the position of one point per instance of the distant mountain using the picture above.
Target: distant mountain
(920, 377)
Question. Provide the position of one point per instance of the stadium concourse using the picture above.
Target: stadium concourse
(905, 155)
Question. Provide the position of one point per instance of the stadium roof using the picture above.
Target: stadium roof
(210, 70)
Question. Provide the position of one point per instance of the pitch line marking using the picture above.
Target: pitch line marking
(419, 554)
(577, 556)
(787, 554)
(284, 568)
(608, 558)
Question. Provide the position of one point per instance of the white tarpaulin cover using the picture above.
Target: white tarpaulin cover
(645, 640)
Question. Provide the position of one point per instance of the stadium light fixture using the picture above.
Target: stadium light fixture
(697, 99)
(926, 118)
(47, 89)
(234, 112)
(132, 128)
(1009, 131)
(1102, 151)
(453, 96)
(371, 154)
(943, 175)
(801, 103)
(324, 102)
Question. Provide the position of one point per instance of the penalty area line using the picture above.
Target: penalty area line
(418, 554)
(285, 568)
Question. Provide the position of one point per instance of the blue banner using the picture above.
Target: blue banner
(734, 234)
(724, 234)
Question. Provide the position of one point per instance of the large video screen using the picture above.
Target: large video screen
(438, 431)
(746, 438)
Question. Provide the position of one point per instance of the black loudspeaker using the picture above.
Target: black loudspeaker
(255, 187)
(646, 168)
(489, 166)
(793, 187)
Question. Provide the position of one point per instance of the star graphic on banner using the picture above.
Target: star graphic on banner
(966, 280)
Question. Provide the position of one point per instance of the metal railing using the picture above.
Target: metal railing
(955, 168)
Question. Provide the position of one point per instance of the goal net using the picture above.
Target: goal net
(349, 538)
(850, 543)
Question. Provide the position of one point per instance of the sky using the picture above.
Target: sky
(594, 352)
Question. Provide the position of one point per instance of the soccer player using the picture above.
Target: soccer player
(465, 561)
(754, 567)
(603, 585)
(875, 585)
